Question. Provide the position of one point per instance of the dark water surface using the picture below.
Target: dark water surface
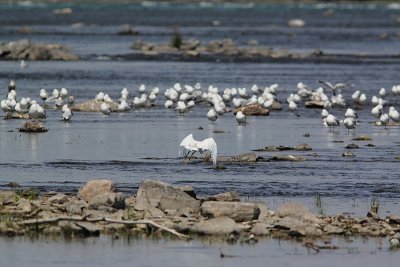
(129, 147)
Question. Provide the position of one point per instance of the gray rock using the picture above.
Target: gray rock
(24, 205)
(67, 226)
(260, 229)
(156, 194)
(303, 147)
(348, 154)
(333, 229)
(24, 49)
(76, 206)
(91, 228)
(288, 158)
(114, 200)
(240, 212)
(59, 198)
(246, 157)
(253, 110)
(231, 196)
(153, 212)
(394, 219)
(7, 197)
(352, 146)
(217, 226)
(94, 188)
(93, 106)
(297, 210)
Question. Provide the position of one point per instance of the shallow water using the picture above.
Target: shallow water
(122, 252)
(129, 147)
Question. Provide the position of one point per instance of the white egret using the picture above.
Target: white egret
(188, 145)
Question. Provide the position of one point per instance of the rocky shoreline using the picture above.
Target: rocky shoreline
(162, 210)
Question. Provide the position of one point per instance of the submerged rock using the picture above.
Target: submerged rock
(348, 154)
(14, 115)
(245, 158)
(362, 138)
(33, 127)
(303, 147)
(288, 158)
(314, 104)
(352, 146)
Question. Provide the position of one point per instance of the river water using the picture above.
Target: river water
(143, 143)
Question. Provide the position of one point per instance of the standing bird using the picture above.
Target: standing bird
(350, 123)
(394, 114)
(43, 95)
(332, 121)
(212, 115)
(190, 145)
(384, 119)
(11, 85)
(240, 118)
(105, 108)
(66, 113)
(351, 113)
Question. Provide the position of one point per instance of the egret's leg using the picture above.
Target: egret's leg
(192, 155)
(187, 154)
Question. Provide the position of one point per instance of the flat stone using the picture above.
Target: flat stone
(156, 194)
(293, 209)
(253, 110)
(94, 188)
(109, 199)
(333, 229)
(93, 106)
(153, 212)
(92, 228)
(217, 226)
(288, 158)
(227, 196)
(240, 212)
(314, 104)
(59, 198)
(394, 219)
(245, 158)
(76, 206)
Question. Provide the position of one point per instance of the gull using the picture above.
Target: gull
(350, 123)
(332, 121)
(99, 96)
(382, 92)
(394, 114)
(181, 107)
(43, 94)
(66, 113)
(105, 108)
(396, 89)
(123, 106)
(152, 97)
(324, 113)
(384, 119)
(63, 93)
(23, 64)
(168, 103)
(11, 85)
(36, 111)
(190, 145)
(337, 88)
(240, 118)
(351, 113)
(377, 111)
(212, 115)
(142, 89)
(293, 107)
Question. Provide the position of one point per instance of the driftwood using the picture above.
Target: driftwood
(83, 218)
(172, 231)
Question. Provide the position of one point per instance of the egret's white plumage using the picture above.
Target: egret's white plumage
(191, 145)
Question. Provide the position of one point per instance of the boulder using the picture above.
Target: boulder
(90, 228)
(94, 188)
(59, 198)
(76, 206)
(156, 194)
(260, 229)
(297, 210)
(24, 49)
(217, 226)
(240, 212)
(303, 147)
(352, 146)
(231, 196)
(314, 104)
(108, 199)
(15, 115)
(7, 197)
(93, 106)
(24, 205)
(252, 110)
